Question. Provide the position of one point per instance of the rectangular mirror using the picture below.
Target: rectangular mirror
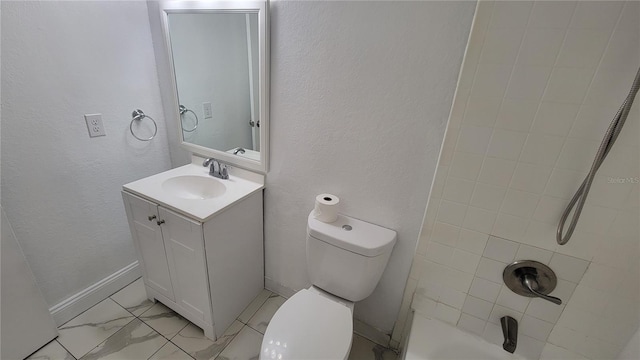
(218, 55)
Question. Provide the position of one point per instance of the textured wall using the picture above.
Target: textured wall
(360, 93)
(61, 189)
(541, 81)
(178, 155)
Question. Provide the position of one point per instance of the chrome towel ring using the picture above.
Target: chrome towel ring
(183, 109)
(139, 115)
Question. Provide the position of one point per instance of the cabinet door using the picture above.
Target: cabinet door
(147, 236)
(185, 252)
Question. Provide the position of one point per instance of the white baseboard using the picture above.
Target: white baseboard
(85, 299)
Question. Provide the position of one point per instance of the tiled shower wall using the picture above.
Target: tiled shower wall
(540, 83)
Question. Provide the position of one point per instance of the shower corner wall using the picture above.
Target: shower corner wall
(539, 84)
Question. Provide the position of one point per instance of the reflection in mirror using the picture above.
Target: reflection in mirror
(183, 111)
(215, 59)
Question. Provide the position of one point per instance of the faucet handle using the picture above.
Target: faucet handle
(532, 279)
(216, 168)
(530, 282)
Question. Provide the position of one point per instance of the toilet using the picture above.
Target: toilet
(345, 260)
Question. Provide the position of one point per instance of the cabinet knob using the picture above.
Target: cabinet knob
(160, 222)
(151, 217)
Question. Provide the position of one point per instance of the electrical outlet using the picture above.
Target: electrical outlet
(206, 109)
(94, 125)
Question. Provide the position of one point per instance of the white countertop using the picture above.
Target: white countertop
(241, 184)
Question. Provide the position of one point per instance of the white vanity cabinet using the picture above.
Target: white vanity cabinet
(147, 236)
(184, 245)
(207, 271)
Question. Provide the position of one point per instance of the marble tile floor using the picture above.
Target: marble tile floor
(129, 326)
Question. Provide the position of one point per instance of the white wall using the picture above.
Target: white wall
(540, 83)
(178, 155)
(211, 61)
(61, 189)
(360, 93)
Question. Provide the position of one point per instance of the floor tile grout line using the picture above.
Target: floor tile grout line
(65, 349)
(169, 340)
(182, 328)
(163, 345)
(93, 306)
(154, 330)
(139, 317)
(273, 295)
(122, 306)
(134, 317)
(185, 351)
(108, 337)
(152, 305)
(229, 343)
(258, 308)
(125, 309)
(122, 288)
(178, 346)
(172, 343)
(161, 334)
(252, 328)
(80, 314)
(232, 338)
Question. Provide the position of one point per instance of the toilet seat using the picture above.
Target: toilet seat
(308, 326)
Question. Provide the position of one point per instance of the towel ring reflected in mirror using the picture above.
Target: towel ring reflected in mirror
(183, 109)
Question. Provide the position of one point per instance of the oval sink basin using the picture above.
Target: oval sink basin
(194, 187)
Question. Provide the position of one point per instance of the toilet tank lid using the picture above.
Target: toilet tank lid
(352, 234)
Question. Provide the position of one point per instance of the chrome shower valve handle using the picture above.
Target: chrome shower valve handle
(531, 279)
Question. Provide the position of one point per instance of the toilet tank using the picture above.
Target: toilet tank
(347, 257)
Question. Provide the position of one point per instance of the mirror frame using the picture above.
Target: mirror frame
(203, 7)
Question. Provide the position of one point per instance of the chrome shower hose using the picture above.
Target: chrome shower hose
(610, 137)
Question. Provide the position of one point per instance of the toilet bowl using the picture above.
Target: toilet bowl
(345, 260)
(309, 326)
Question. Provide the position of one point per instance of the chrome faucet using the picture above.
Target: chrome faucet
(510, 333)
(222, 171)
(238, 150)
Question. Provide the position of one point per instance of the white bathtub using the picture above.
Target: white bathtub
(434, 340)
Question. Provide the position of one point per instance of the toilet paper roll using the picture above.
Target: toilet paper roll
(326, 209)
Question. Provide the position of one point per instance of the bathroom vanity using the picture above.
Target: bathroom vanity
(199, 241)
